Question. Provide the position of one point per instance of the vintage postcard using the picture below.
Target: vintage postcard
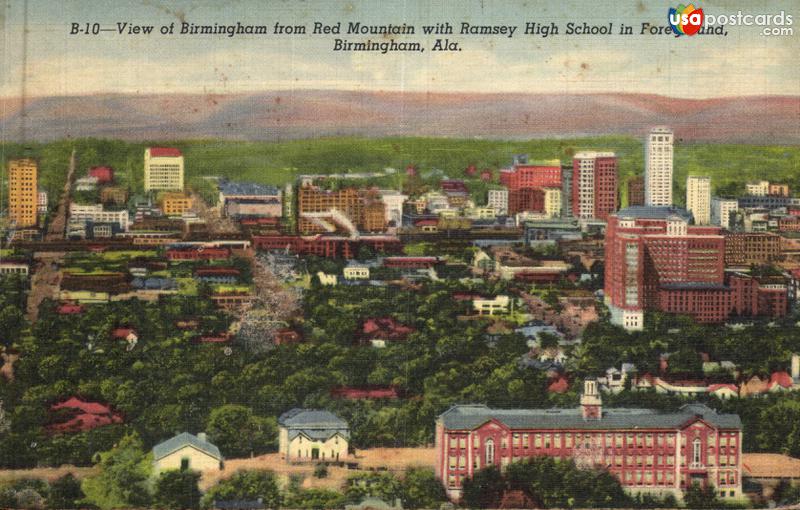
(421, 254)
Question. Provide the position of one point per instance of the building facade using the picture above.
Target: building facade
(163, 169)
(757, 189)
(526, 200)
(647, 247)
(175, 204)
(498, 200)
(658, 167)
(594, 184)
(187, 451)
(312, 435)
(647, 450)
(552, 202)
(721, 210)
(636, 190)
(23, 194)
(96, 214)
(698, 199)
(751, 248)
(537, 174)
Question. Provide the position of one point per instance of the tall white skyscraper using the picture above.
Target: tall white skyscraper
(698, 198)
(658, 167)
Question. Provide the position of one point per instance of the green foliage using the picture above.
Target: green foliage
(783, 432)
(383, 486)
(237, 432)
(699, 497)
(247, 485)
(65, 493)
(177, 490)
(124, 478)
(421, 489)
(315, 499)
(320, 471)
(484, 489)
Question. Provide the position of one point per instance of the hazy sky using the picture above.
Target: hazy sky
(743, 63)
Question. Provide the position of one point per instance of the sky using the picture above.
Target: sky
(742, 63)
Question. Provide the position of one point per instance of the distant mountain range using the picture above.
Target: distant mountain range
(282, 115)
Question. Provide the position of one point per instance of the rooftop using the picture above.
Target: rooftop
(174, 444)
(164, 152)
(469, 417)
(246, 188)
(653, 213)
(770, 465)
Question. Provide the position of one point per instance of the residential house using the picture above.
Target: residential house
(312, 435)
(187, 451)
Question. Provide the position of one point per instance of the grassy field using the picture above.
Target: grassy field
(729, 166)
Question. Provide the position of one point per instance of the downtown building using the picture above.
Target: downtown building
(163, 169)
(23, 194)
(698, 199)
(349, 209)
(658, 167)
(594, 185)
(649, 451)
(534, 174)
(656, 260)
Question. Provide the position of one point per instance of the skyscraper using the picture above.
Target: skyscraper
(594, 184)
(163, 169)
(23, 195)
(658, 167)
(698, 198)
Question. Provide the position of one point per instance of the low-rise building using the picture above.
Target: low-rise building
(356, 272)
(491, 306)
(312, 435)
(649, 451)
(96, 214)
(175, 204)
(187, 451)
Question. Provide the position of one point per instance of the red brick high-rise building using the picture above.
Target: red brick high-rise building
(594, 185)
(526, 199)
(537, 174)
(647, 247)
(647, 450)
(656, 260)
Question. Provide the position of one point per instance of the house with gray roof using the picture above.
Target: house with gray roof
(312, 435)
(187, 451)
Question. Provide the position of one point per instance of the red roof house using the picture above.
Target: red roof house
(103, 174)
(386, 328)
(76, 415)
(349, 393)
(558, 385)
(69, 309)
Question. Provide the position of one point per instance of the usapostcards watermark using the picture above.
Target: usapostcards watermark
(689, 20)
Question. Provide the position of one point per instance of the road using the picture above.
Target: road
(58, 224)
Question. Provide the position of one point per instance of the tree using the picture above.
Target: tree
(177, 490)
(699, 497)
(315, 499)
(484, 489)
(238, 432)
(65, 492)
(246, 485)
(378, 485)
(124, 476)
(421, 489)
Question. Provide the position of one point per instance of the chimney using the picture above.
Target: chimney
(202, 437)
(796, 367)
(591, 403)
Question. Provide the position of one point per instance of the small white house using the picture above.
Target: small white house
(356, 273)
(312, 435)
(187, 451)
(492, 306)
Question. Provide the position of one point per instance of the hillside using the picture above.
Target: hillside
(288, 114)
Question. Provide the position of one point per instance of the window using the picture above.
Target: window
(489, 452)
(537, 441)
(452, 462)
(557, 441)
(462, 442)
(453, 442)
(696, 452)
